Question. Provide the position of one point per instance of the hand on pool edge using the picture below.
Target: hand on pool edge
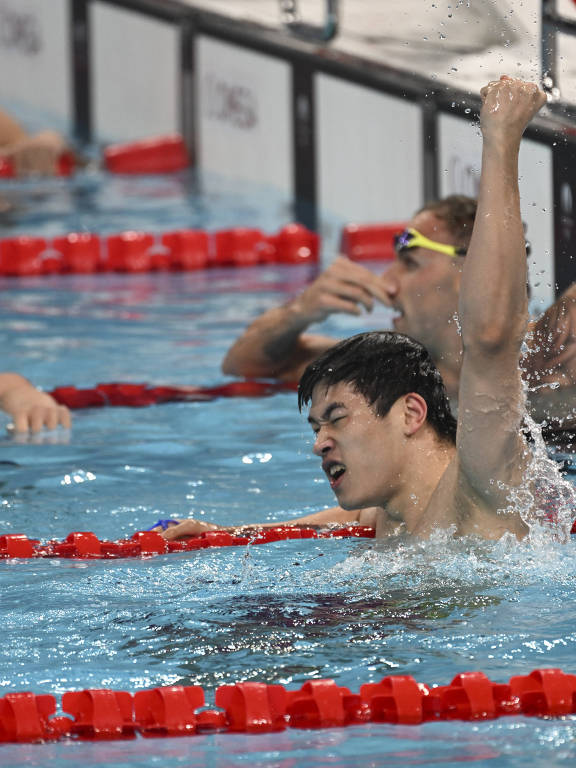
(187, 529)
(31, 410)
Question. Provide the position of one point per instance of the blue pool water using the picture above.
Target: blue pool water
(280, 613)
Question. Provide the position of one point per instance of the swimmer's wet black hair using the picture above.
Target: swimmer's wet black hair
(383, 366)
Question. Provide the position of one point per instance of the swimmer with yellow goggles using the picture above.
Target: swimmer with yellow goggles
(411, 238)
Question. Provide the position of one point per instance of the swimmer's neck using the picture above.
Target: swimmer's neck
(423, 473)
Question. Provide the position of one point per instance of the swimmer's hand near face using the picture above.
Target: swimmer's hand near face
(343, 287)
(30, 409)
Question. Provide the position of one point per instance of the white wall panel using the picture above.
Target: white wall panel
(369, 156)
(35, 58)
(244, 115)
(135, 78)
(460, 147)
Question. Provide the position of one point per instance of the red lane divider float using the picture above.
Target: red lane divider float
(64, 166)
(370, 242)
(133, 251)
(85, 544)
(140, 395)
(158, 154)
(251, 707)
(185, 249)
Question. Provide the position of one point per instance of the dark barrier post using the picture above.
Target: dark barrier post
(564, 214)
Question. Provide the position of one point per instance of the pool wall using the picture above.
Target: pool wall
(340, 138)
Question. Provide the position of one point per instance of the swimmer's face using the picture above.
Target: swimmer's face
(360, 451)
(423, 285)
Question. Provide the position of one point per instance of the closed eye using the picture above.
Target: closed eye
(333, 413)
(332, 420)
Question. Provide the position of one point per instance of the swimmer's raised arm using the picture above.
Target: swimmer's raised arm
(275, 345)
(493, 303)
(326, 517)
(31, 410)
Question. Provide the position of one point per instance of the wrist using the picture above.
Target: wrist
(298, 319)
(11, 381)
(500, 142)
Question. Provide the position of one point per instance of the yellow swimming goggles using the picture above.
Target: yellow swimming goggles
(411, 238)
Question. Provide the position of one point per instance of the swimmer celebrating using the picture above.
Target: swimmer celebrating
(392, 452)
(422, 286)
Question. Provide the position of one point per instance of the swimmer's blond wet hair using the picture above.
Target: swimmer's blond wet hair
(383, 366)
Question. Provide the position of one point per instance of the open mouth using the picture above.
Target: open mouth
(335, 473)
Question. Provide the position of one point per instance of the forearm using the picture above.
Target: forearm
(268, 346)
(334, 515)
(493, 301)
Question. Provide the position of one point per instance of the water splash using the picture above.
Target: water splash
(546, 501)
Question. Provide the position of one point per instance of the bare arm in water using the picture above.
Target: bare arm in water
(275, 345)
(324, 518)
(550, 364)
(30, 409)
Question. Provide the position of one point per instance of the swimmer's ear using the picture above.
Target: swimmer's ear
(415, 412)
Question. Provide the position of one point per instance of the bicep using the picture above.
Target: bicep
(491, 447)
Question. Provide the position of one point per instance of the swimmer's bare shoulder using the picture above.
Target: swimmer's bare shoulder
(458, 505)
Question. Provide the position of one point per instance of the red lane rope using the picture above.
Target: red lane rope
(140, 395)
(186, 249)
(251, 707)
(157, 154)
(134, 251)
(86, 545)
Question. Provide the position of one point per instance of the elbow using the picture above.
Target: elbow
(500, 331)
(234, 365)
(230, 368)
(494, 338)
